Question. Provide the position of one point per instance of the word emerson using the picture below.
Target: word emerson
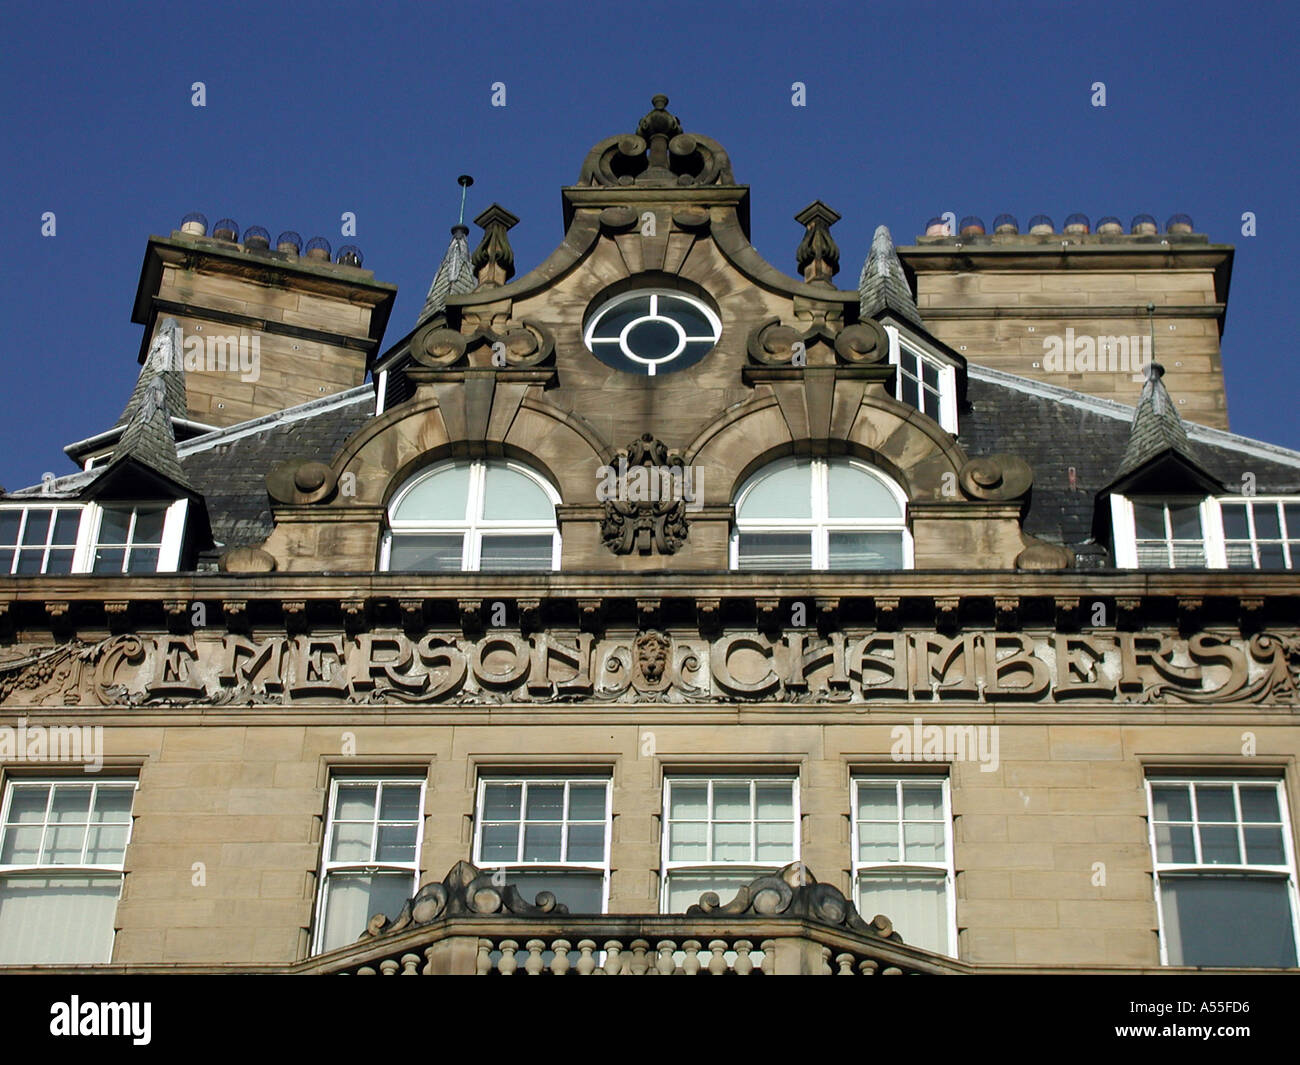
(102, 1018)
(53, 743)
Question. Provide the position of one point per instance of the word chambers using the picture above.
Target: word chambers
(503, 667)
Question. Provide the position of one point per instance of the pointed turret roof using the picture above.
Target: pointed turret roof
(163, 364)
(455, 274)
(883, 285)
(1158, 439)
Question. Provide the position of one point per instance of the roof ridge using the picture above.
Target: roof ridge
(263, 422)
(1110, 408)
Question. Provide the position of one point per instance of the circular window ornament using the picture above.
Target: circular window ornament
(652, 332)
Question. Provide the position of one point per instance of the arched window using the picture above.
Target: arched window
(472, 515)
(837, 514)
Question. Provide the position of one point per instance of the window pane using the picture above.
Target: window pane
(142, 560)
(59, 561)
(352, 841)
(613, 322)
(1290, 511)
(21, 846)
(106, 845)
(113, 805)
(510, 495)
(355, 802)
(9, 522)
(1264, 846)
(545, 802)
(923, 802)
(866, 550)
(685, 889)
(1171, 802)
(70, 803)
(775, 801)
(1189, 555)
(909, 391)
(1234, 521)
(109, 559)
(1185, 520)
(688, 842)
(396, 843)
(581, 892)
(586, 843)
(1259, 804)
(923, 842)
(930, 374)
(541, 843)
(351, 899)
(877, 802)
(587, 802)
(149, 525)
(27, 804)
(7, 561)
(513, 553)
(1267, 525)
(501, 802)
(400, 802)
(442, 496)
(785, 493)
(917, 906)
(65, 527)
(878, 841)
(731, 841)
(114, 525)
(1174, 844)
(1240, 554)
(854, 493)
(419, 552)
(500, 843)
(775, 841)
(731, 801)
(1227, 920)
(61, 920)
(1214, 803)
(778, 551)
(63, 844)
(1271, 556)
(1219, 845)
(688, 801)
(37, 529)
(1149, 521)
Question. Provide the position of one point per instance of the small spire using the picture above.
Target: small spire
(455, 274)
(1156, 428)
(148, 437)
(163, 365)
(883, 285)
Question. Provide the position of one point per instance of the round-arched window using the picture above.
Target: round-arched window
(472, 515)
(836, 514)
(652, 332)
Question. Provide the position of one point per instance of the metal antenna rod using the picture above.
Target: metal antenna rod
(464, 181)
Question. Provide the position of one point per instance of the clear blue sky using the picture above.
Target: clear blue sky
(913, 109)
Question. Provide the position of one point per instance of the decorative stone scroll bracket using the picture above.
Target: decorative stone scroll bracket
(466, 889)
(863, 344)
(522, 345)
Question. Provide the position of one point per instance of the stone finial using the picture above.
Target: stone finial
(493, 260)
(657, 128)
(818, 256)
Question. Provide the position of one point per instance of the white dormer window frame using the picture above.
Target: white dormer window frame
(1123, 525)
(899, 355)
(90, 521)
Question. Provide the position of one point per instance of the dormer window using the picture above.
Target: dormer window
(1261, 533)
(1187, 532)
(924, 380)
(1169, 534)
(105, 538)
(38, 539)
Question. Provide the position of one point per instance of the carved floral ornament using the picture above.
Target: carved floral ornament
(645, 507)
(851, 667)
(659, 154)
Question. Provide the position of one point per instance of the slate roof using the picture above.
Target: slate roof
(230, 466)
(455, 274)
(1054, 429)
(882, 285)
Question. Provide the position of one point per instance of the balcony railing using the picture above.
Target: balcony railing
(787, 923)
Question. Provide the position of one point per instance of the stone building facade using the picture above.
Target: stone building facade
(657, 611)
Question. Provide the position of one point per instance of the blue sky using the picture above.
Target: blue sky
(912, 109)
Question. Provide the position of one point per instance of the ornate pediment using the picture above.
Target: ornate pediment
(659, 154)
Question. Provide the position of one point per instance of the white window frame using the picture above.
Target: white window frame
(620, 345)
(821, 525)
(902, 867)
(563, 865)
(173, 534)
(51, 869)
(1172, 869)
(668, 866)
(1279, 501)
(472, 527)
(1125, 529)
(328, 866)
(946, 416)
(78, 548)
